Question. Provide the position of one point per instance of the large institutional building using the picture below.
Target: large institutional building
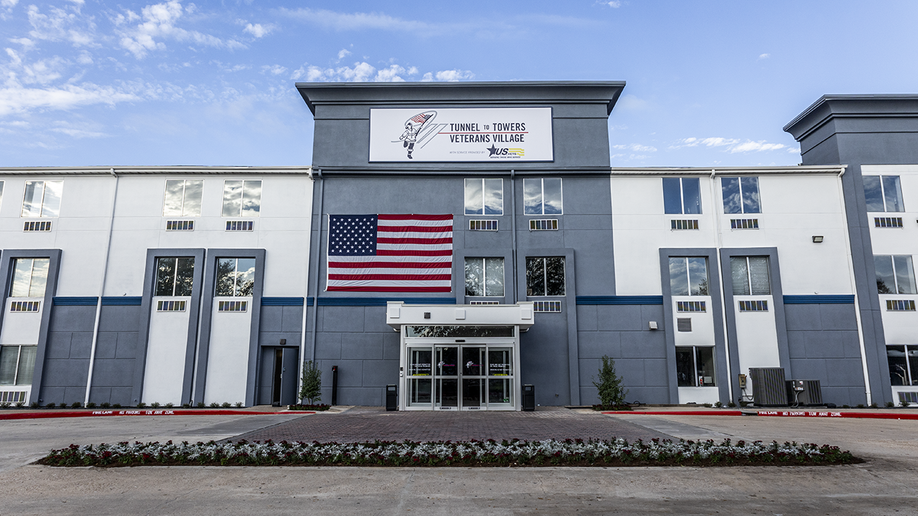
(462, 241)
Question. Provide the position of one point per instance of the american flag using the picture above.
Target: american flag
(421, 117)
(390, 253)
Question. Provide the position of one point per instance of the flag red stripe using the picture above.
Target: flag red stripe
(428, 241)
(414, 229)
(440, 252)
(390, 265)
(392, 277)
(390, 289)
(415, 217)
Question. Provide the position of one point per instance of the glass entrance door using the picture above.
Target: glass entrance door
(460, 377)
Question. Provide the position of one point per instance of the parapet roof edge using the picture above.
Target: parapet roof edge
(707, 171)
(843, 97)
(168, 169)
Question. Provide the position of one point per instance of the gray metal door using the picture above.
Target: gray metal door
(289, 375)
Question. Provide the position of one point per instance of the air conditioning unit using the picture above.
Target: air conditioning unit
(808, 392)
(768, 386)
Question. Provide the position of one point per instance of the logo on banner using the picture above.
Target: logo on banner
(414, 130)
(420, 130)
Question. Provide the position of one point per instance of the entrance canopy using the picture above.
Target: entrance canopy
(399, 314)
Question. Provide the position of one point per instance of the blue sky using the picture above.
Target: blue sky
(709, 83)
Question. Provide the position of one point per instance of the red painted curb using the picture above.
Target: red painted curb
(830, 413)
(680, 413)
(143, 412)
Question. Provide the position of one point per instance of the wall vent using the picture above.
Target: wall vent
(908, 397)
(240, 225)
(484, 302)
(684, 324)
(887, 222)
(691, 306)
(546, 306)
(483, 225)
(753, 306)
(744, 223)
(25, 306)
(232, 306)
(13, 396)
(32, 226)
(900, 305)
(679, 224)
(543, 224)
(170, 306)
(179, 225)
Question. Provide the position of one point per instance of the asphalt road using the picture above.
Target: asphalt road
(884, 484)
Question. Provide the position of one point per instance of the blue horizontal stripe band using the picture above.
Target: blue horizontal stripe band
(75, 301)
(619, 300)
(843, 299)
(122, 301)
(283, 301)
(381, 301)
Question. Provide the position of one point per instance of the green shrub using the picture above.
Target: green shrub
(311, 383)
(609, 385)
(75, 404)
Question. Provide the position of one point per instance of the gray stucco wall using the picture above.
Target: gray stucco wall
(116, 351)
(66, 365)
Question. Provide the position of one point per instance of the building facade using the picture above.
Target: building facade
(462, 240)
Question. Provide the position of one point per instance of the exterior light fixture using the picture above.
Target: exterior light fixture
(817, 239)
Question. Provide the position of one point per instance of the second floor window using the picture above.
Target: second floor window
(741, 194)
(484, 196)
(241, 198)
(235, 277)
(30, 275)
(542, 196)
(883, 193)
(183, 198)
(484, 277)
(545, 276)
(895, 274)
(750, 275)
(174, 276)
(681, 195)
(42, 198)
(688, 276)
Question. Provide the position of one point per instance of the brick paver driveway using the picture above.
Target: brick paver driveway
(361, 424)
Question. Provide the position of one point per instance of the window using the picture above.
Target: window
(688, 276)
(17, 364)
(235, 277)
(484, 277)
(241, 198)
(695, 366)
(895, 274)
(42, 198)
(174, 276)
(741, 194)
(750, 275)
(30, 275)
(183, 198)
(484, 196)
(681, 195)
(883, 193)
(545, 276)
(903, 364)
(542, 196)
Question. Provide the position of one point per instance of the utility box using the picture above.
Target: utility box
(528, 398)
(808, 392)
(768, 386)
(392, 397)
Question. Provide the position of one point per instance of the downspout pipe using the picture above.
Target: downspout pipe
(98, 318)
(313, 248)
(514, 298)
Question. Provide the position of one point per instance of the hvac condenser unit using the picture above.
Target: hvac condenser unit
(808, 392)
(768, 387)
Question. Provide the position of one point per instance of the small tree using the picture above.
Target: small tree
(311, 383)
(611, 392)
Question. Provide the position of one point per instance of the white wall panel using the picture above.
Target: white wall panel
(228, 355)
(21, 327)
(165, 366)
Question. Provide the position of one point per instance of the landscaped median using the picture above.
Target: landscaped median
(570, 452)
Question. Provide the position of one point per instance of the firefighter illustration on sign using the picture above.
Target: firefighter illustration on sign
(413, 127)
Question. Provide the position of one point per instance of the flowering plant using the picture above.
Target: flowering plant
(569, 452)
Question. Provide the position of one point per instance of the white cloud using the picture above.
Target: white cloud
(85, 58)
(448, 76)
(258, 30)
(159, 23)
(751, 146)
(274, 69)
(78, 133)
(357, 21)
(61, 25)
(360, 72)
(615, 4)
(9, 4)
(635, 147)
(733, 145)
(764, 56)
(343, 53)
(18, 99)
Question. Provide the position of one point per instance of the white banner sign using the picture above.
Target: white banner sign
(461, 134)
